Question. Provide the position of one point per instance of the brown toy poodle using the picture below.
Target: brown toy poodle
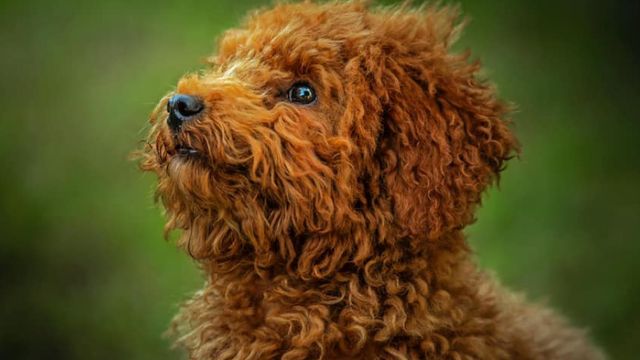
(322, 170)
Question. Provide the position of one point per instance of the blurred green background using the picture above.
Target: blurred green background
(85, 273)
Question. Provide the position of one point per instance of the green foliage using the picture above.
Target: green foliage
(85, 272)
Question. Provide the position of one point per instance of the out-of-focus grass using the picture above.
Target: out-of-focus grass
(85, 272)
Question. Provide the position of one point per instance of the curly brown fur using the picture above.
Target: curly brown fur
(334, 230)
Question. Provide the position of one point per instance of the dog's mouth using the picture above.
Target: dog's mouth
(186, 151)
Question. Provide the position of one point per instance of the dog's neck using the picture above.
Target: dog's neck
(404, 260)
(380, 301)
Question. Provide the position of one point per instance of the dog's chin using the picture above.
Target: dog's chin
(191, 180)
(188, 162)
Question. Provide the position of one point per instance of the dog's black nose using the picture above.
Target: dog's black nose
(182, 108)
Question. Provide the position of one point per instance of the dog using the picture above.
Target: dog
(321, 170)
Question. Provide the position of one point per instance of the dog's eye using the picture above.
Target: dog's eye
(301, 93)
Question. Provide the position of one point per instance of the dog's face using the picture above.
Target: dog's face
(320, 132)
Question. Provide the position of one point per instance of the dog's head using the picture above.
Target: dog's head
(322, 132)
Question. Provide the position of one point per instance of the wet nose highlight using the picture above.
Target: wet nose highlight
(182, 108)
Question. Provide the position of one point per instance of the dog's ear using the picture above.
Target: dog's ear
(442, 137)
